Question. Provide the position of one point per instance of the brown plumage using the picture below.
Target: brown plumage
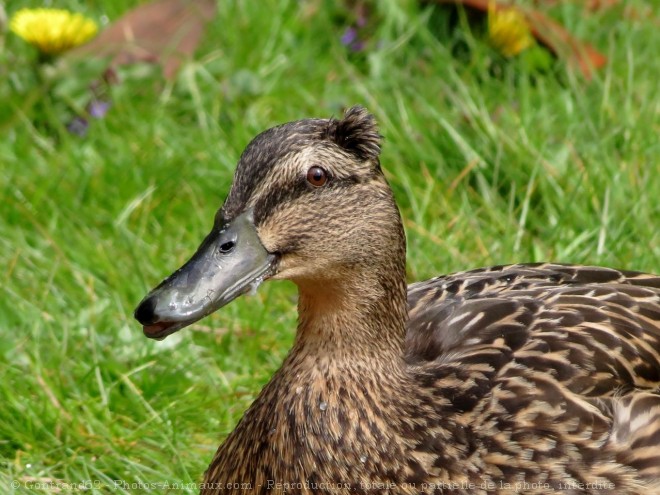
(539, 378)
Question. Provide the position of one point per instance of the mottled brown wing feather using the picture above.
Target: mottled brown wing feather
(572, 352)
(598, 318)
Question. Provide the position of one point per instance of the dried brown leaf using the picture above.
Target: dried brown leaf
(165, 32)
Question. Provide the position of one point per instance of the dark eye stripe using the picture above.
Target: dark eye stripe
(282, 195)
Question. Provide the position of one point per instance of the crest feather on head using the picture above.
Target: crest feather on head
(357, 133)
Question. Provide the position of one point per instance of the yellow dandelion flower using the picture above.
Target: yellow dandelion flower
(52, 31)
(508, 31)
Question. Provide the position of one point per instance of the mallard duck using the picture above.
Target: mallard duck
(526, 378)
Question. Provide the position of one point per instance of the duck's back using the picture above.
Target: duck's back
(558, 365)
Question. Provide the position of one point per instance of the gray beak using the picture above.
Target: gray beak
(229, 262)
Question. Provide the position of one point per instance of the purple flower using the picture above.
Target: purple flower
(351, 40)
(78, 126)
(349, 36)
(98, 108)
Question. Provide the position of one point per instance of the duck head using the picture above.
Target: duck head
(309, 203)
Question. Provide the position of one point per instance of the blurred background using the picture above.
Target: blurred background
(513, 133)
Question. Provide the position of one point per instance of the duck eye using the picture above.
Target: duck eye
(317, 177)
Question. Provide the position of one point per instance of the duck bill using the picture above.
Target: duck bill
(231, 261)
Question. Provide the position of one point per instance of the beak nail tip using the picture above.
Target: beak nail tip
(145, 312)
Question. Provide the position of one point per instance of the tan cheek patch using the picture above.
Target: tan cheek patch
(279, 230)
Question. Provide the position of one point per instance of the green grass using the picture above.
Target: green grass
(489, 166)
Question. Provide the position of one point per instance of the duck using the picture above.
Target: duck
(523, 378)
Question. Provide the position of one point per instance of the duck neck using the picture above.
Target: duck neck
(361, 317)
